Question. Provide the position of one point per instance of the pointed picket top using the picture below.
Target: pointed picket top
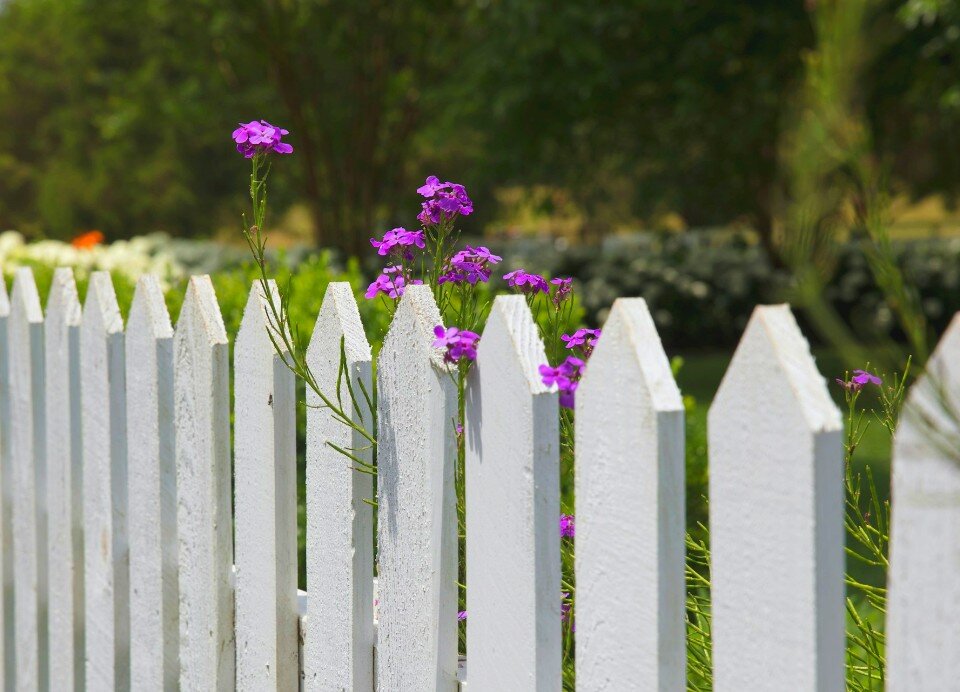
(339, 636)
(104, 434)
(7, 643)
(630, 522)
(153, 492)
(416, 531)
(776, 514)
(64, 496)
(513, 508)
(265, 502)
(202, 439)
(27, 440)
(923, 621)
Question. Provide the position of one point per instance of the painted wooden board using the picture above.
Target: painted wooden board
(104, 427)
(27, 448)
(416, 532)
(339, 636)
(64, 482)
(265, 506)
(154, 603)
(8, 655)
(513, 509)
(204, 522)
(923, 621)
(776, 515)
(630, 519)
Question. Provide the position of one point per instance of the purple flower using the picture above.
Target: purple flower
(567, 528)
(564, 289)
(462, 615)
(524, 282)
(391, 283)
(458, 343)
(444, 200)
(260, 138)
(860, 379)
(565, 376)
(399, 240)
(470, 265)
(583, 338)
(566, 609)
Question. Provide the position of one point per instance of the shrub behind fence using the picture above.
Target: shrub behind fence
(124, 567)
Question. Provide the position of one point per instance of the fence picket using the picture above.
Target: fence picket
(204, 524)
(64, 479)
(776, 515)
(8, 641)
(923, 622)
(103, 391)
(416, 532)
(27, 440)
(265, 487)
(338, 650)
(513, 509)
(630, 521)
(153, 493)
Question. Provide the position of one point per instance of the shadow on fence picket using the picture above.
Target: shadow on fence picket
(128, 564)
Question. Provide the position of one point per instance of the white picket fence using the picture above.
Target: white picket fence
(124, 566)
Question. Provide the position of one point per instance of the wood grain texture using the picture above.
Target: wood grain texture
(338, 650)
(204, 522)
(630, 520)
(265, 507)
(64, 479)
(104, 428)
(416, 533)
(923, 622)
(154, 628)
(513, 509)
(27, 445)
(776, 515)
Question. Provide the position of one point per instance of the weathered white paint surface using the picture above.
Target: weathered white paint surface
(513, 509)
(338, 651)
(27, 442)
(104, 428)
(265, 492)
(416, 532)
(152, 471)
(64, 479)
(204, 526)
(776, 515)
(630, 520)
(7, 656)
(923, 622)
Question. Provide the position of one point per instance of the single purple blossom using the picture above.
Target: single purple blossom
(391, 283)
(566, 609)
(461, 616)
(260, 138)
(585, 339)
(566, 377)
(860, 379)
(567, 528)
(458, 343)
(525, 282)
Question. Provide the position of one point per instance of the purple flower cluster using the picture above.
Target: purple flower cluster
(401, 241)
(860, 379)
(565, 376)
(567, 527)
(470, 265)
(260, 137)
(390, 283)
(564, 289)
(525, 282)
(443, 201)
(584, 339)
(458, 343)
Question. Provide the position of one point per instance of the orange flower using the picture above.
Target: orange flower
(88, 240)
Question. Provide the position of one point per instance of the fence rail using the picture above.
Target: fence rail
(135, 555)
